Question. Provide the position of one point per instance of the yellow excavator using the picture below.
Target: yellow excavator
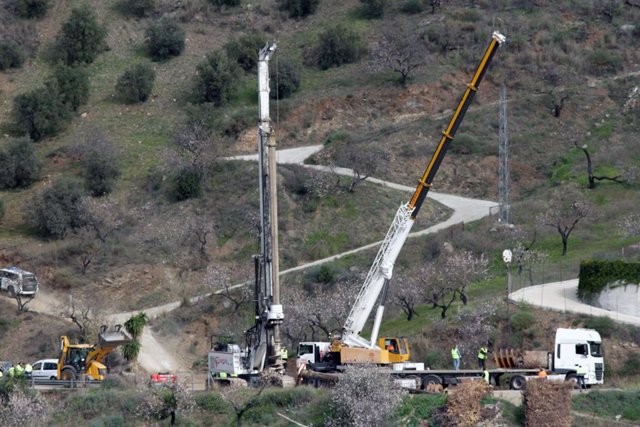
(87, 360)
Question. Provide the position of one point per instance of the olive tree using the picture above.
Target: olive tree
(59, 209)
(81, 38)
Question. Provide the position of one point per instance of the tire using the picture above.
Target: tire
(517, 382)
(430, 379)
(53, 378)
(68, 374)
(572, 378)
(11, 291)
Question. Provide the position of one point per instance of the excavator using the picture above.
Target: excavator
(350, 347)
(87, 360)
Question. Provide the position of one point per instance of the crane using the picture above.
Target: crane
(351, 346)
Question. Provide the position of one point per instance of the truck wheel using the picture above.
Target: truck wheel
(68, 374)
(573, 379)
(11, 291)
(517, 382)
(430, 379)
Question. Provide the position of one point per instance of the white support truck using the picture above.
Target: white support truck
(573, 347)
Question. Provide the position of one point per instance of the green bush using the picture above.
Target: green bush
(606, 326)
(73, 84)
(110, 421)
(244, 50)
(522, 320)
(40, 113)
(416, 409)
(373, 9)
(339, 45)
(604, 62)
(212, 402)
(299, 8)
(165, 39)
(82, 38)
(10, 55)
(58, 210)
(412, 7)
(100, 168)
(136, 84)
(220, 3)
(608, 404)
(20, 167)
(137, 8)
(596, 275)
(187, 184)
(285, 77)
(217, 79)
(631, 366)
(30, 9)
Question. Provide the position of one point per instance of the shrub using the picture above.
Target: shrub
(165, 39)
(244, 50)
(40, 113)
(138, 8)
(412, 7)
(58, 210)
(285, 77)
(73, 84)
(100, 165)
(339, 45)
(187, 184)
(299, 8)
(373, 9)
(81, 38)
(602, 62)
(30, 9)
(20, 167)
(595, 276)
(220, 3)
(217, 79)
(631, 366)
(606, 326)
(212, 402)
(10, 55)
(417, 408)
(136, 84)
(522, 320)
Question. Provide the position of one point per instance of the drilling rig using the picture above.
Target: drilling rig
(262, 353)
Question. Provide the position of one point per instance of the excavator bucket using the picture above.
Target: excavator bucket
(112, 338)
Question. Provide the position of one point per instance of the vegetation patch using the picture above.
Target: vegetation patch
(609, 404)
(595, 276)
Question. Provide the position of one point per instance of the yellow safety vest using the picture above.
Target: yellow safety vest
(455, 353)
(482, 354)
(485, 375)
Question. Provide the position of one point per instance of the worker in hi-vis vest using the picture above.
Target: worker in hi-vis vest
(455, 355)
(482, 357)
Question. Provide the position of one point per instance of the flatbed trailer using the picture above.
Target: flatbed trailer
(515, 379)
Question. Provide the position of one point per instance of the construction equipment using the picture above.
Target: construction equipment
(263, 344)
(77, 360)
(351, 347)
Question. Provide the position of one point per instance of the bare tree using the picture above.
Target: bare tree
(88, 317)
(399, 49)
(593, 178)
(364, 396)
(447, 281)
(243, 399)
(475, 328)
(566, 207)
(104, 217)
(194, 142)
(199, 235)
(365, 159)
(407, 293)
(220, 280)
(557, 101)
(320, 312)
(164, 402)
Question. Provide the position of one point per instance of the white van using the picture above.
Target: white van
(46, 369)
(16, 281)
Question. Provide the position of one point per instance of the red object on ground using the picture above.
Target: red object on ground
(164, 378)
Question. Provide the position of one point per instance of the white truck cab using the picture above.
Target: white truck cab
(579, 347)
(311, 352)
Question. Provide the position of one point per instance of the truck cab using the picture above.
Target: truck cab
(576, 347)
(311, 352)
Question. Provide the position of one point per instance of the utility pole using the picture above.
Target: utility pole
(504, 213)
(269, 271)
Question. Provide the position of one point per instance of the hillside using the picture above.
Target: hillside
(569, 69)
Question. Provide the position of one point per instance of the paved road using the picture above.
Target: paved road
(562, 296)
